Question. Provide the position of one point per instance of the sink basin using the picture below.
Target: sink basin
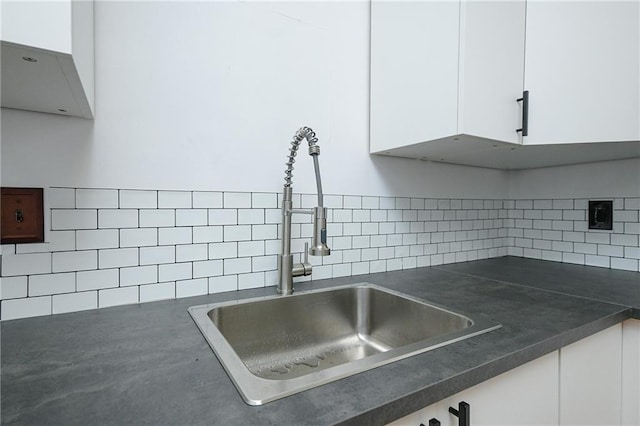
(275, 346)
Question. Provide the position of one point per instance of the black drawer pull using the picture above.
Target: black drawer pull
(525, 113)
(463, 413)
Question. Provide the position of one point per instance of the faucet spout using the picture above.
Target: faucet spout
(286, 268)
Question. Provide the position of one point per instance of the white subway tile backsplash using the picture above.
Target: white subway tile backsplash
(624, 264)
(573, 258)
(189, 288)
(115, 258)
(223, 217)
(60, 198)
(264, 232)
(237, 200)
(74, 219)
(42, 285)
(600, 261)
(273, 216)
(160, 291)
(11, 248)
(99, 279)
(190, 252)
(96, 198)
(352, 202)
(207, 200)
(223, 250)
(225, 241)
(250, 216)
(251, 248)
(264, 263)
(585, 248)
(332, 201)
(68, 261)
(607, 250)
(26, 264)
(157, 218)
(207, 234)
(597, 238)
(352, 229)
(108, 218)
(134, 199)
(141, 237)
(138, 275)
(174, 200)
(240, 265)
(175, 271)
(632, 228)
(191, 217)
(562, 204)
(625, 216)
(25, 308)
(370, 203)
(340, 215)
(13, 287)
(117, 296)
(237, 233)
(631, 253)
(74, 302)
(172, 236)
(552, 214)
(96, 239)
(632, 203)
(208, 268)
(252, 280)
(554, 256)
(264, 200)
(223, 283)
(157, 255)
(618, 204)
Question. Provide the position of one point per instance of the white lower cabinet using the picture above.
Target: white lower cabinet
(591, 380)
(631, 372)
(595, 381)
(526, 395)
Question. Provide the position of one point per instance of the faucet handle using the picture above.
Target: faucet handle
(306, 253)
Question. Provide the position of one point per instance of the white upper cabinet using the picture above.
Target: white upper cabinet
(47, 56)
(582, 71)
(414, 72)
(445, 72)
(491, 69)
(582, 68)
(446, 77)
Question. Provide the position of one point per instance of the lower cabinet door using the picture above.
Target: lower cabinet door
(591, 380)
(631, 372)
(526, 395)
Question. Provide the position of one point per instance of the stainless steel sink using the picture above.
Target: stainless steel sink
(276, 346)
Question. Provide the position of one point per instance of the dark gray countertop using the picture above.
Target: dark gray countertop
(148, 363)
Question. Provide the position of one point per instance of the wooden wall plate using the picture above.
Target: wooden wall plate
(22, 215)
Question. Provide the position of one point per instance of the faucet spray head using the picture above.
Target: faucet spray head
(319, 246)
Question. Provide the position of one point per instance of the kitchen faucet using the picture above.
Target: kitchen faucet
(286, 268)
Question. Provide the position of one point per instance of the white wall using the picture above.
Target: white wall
(206, 96)
(606, 179)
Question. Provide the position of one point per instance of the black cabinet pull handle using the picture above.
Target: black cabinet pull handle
(434, 422)
(463, 413)
(525, 113)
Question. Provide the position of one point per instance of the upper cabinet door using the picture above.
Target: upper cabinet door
(414, 72)
(491, 69)
(582, 68)
(445, 76)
